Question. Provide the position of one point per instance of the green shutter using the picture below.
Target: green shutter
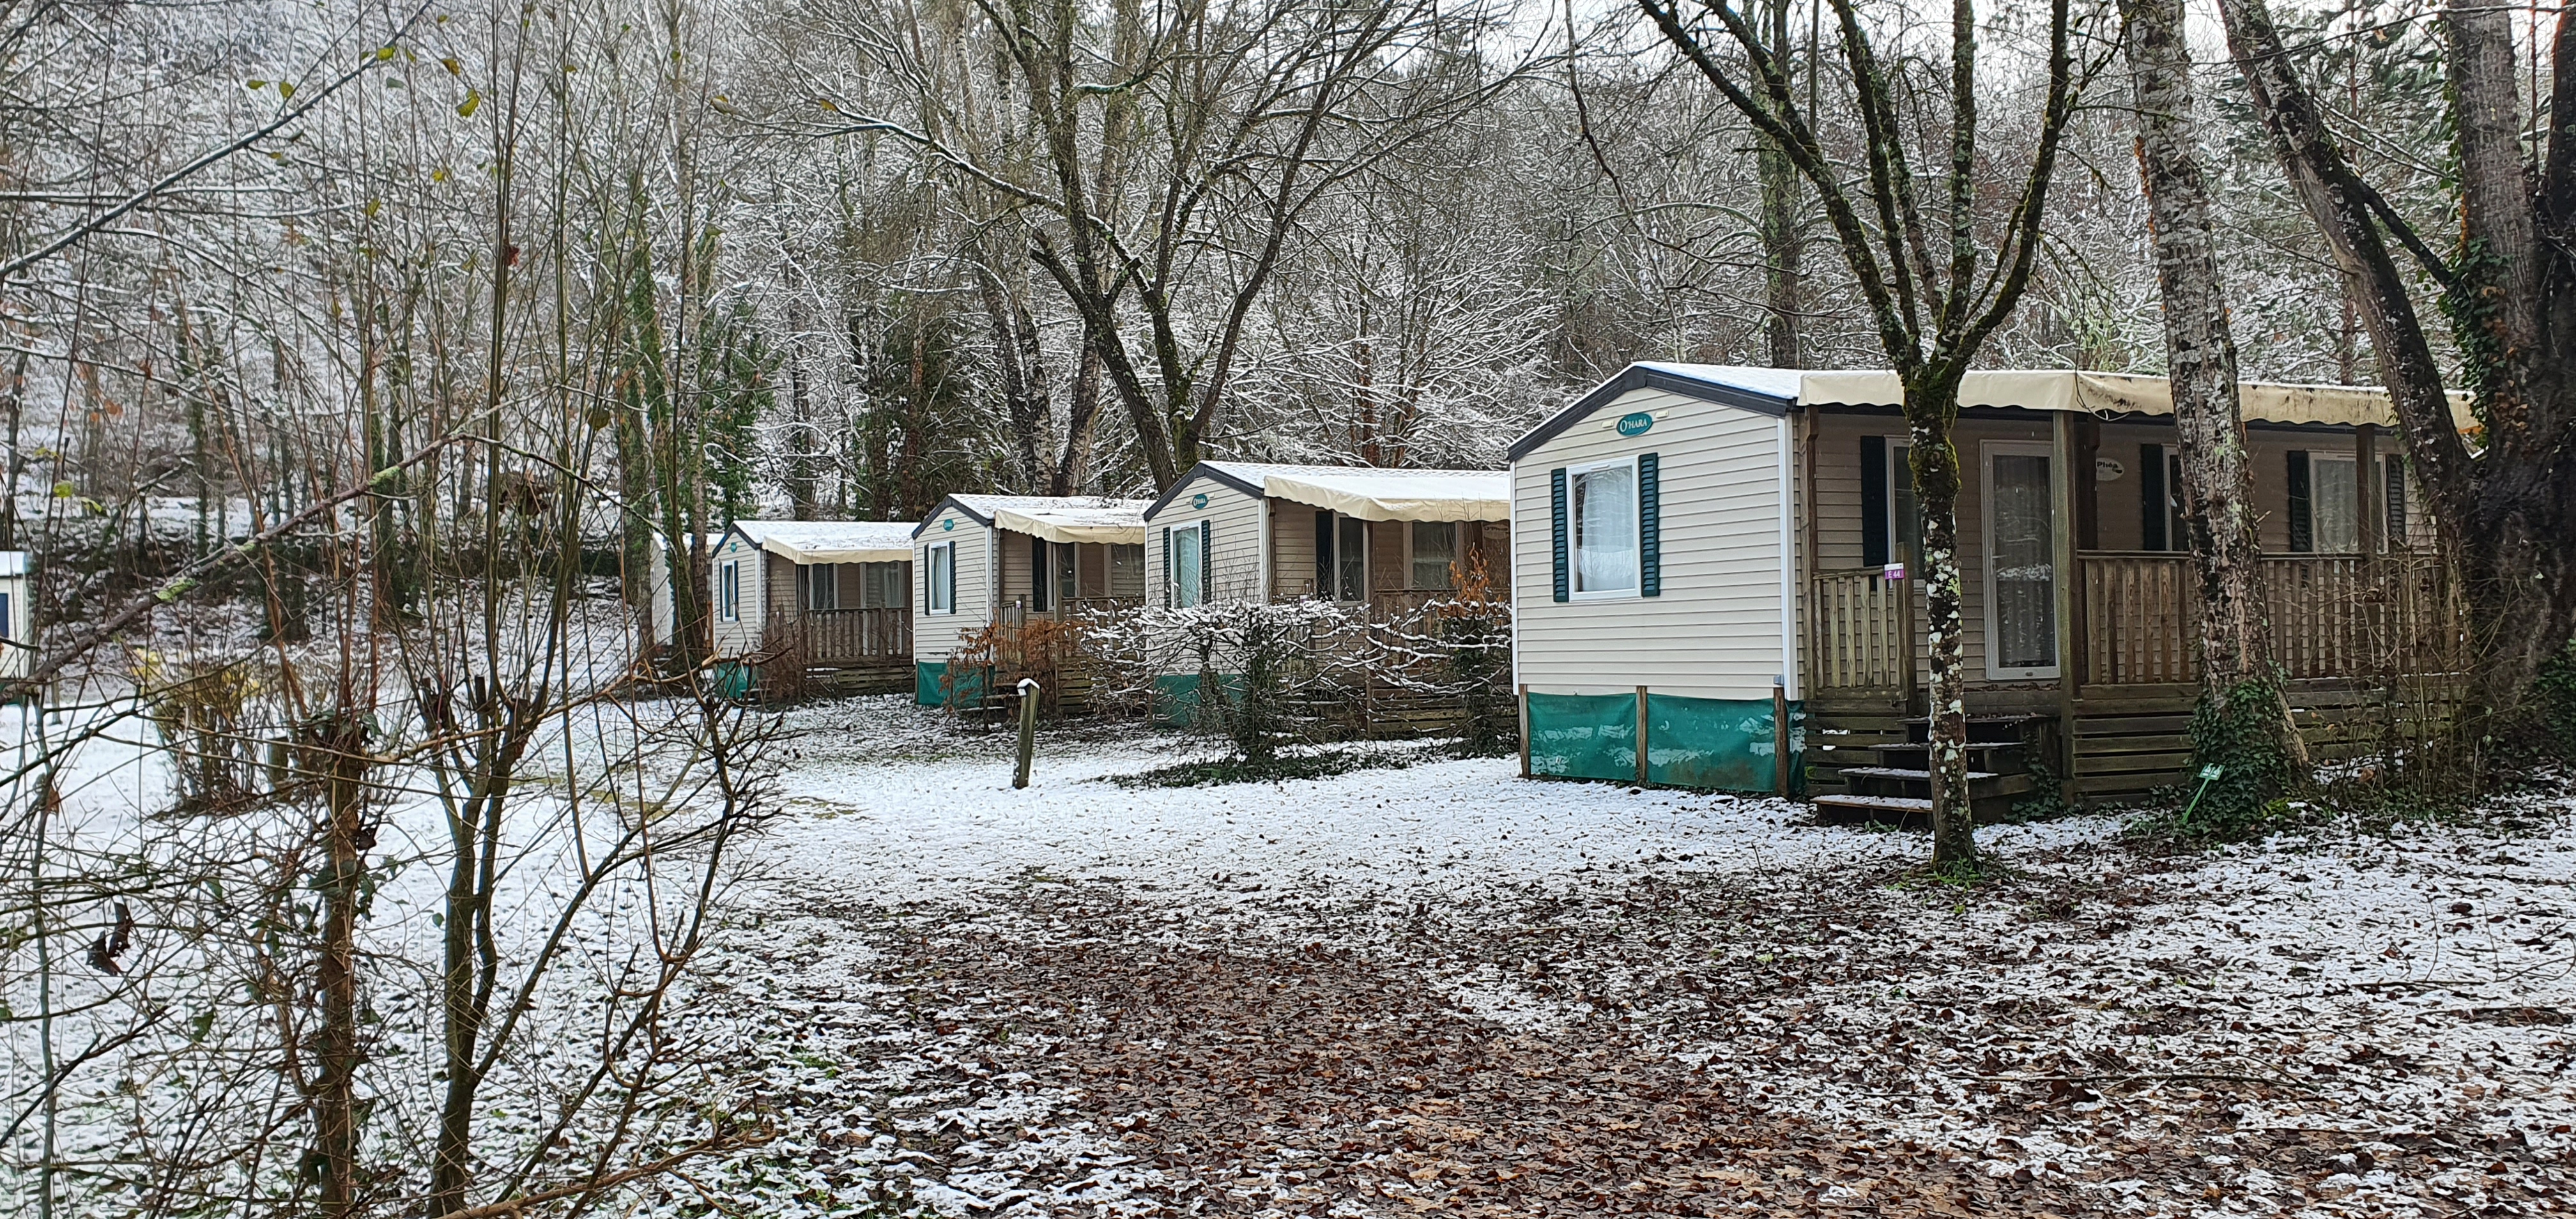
(1207, 565)
(1873, 502)
(1650, 525)
(2303, 526)
(2153, 512)
(1556, 500)
(1167, 568)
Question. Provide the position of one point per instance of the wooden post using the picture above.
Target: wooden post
(1780, 739)
(1524, 700)
(2070, 647)
(1641, 736)
(1028, 730)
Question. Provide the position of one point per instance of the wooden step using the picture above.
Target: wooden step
(1878, 810)
(1982, 729)
(1983, 785)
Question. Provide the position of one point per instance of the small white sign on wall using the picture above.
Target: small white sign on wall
(2107, 470)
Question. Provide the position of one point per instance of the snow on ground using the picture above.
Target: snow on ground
(1441, 987)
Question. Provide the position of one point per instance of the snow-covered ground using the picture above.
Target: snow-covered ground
(1444, 988)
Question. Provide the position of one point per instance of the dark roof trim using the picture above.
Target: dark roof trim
(1636, 377)
(1197, 472)
(2122, 417)
(946, 503)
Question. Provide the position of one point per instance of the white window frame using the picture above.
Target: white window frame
(1986, 509)
(1898, 445)
(1172, 541)
(2360, 529)
(930, 557)
(1412, 560)
(1636, 589)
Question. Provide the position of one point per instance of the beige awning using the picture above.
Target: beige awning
(1074, 526)
(1396, 495)
(2113, 393)
(806, 542)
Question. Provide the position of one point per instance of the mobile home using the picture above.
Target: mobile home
(17, 617)
(1385, 538)
(1707, 554)
(979, 560)
(830, 597)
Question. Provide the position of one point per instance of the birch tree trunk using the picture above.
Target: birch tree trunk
(2242, 724)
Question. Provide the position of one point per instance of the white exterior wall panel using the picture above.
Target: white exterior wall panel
(934, 636)
(1716, 629)
(1235, 544)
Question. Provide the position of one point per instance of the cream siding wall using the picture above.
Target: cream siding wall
(1234, 545)
(742, 634)
(934, 636)
(1716, 630)
(1292, 550)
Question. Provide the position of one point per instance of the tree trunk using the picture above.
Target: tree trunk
(335, 756)
(2504, 512)
(2253, 741)
(1931, 407)
(1783, 270)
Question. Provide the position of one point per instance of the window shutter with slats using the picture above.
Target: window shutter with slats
(1873, 502)
(2303, 530)
(2151, 497)
(1556, 510)
(1650, 525)
(1207, 568)
(1167, 568)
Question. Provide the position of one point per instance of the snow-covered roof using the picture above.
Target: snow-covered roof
(1058, 518)
(831, 541)
(1775, 390)
(13, 563)
(1369, 493)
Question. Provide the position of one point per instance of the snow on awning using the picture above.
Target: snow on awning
(1400, 495)
(2118, 393)
(1070, 518)
(804, 542)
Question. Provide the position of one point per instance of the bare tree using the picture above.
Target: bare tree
(1935, 299)
(2505, 508)
(2242, 725)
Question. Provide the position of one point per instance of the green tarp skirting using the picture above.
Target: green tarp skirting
(929, 676)
(1176, 697)
(1710, 743)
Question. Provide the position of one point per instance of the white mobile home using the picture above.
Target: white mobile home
(1734, 544)
(17, 617)
(979, 560)
(1247, 531)
(766, 575)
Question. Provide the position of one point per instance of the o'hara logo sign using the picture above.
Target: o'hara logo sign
(1199, 500)
(1636, 423)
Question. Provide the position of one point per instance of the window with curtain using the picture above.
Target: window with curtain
(1185, 565)
(940, 582)
(882, 584)
(822, 585)
(2334, 504)
(1435, 554)
(729, 592)
(1126, 570)
(1350, 557)
(1604, 509)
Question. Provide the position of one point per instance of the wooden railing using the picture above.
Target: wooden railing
(1864, 630)
(843, 636)
(2343, 615)
(2138, 620)
(2140, 616)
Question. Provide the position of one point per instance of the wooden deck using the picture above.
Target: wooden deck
(2370, 647)
(848, 651)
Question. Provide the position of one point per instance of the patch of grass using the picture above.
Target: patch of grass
(1321, 764)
